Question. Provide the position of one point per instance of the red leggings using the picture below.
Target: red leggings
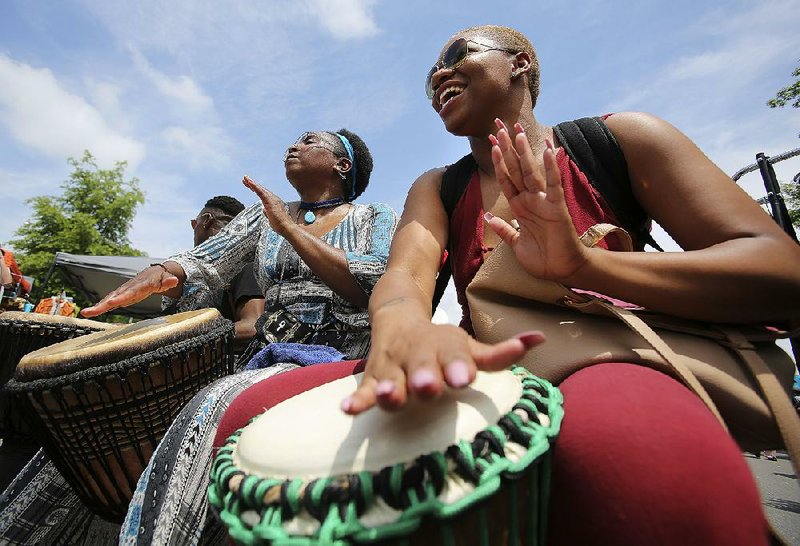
(639, 459)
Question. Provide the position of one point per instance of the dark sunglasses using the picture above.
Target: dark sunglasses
(222, 218)
(454, 57)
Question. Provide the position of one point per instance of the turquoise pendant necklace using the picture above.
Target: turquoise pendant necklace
(309, 217)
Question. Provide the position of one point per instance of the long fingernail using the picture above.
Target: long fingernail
(493, 140)
(519, 128)
(347, 404)
(384, 388)
(499, 123)
(488, 216)
(457, 374)
(549, 144)
(422, 379)
(530, 339)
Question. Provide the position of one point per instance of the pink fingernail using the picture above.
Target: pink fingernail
(384, 388)
(493, 140)
(422, 379)
(549, 144)
(346, 404)
(531, 339)
(518, 127)
(457, 374)
(488, 216)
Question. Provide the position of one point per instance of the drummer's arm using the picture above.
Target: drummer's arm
(166, 278)
(409, 354)
(246, 313)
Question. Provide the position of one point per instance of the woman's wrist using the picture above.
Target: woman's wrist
(405, 307)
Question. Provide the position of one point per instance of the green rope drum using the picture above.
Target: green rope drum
(471, 467)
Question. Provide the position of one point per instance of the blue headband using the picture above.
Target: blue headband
(349, 149)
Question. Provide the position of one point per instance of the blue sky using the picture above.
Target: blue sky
(196, 93)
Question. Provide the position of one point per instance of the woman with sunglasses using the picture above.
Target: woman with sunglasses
(640, 460)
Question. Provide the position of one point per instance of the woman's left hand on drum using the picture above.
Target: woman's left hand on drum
(153, 280)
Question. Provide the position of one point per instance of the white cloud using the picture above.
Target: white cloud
(180, 88)
(202, 147)
(41, 114)
(344, 19)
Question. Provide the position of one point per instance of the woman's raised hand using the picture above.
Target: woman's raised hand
(546, 244)
(153, 280)
(274, 208)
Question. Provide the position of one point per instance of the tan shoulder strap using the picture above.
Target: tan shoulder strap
(779, 403)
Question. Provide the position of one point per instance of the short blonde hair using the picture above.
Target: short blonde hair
(514, 40)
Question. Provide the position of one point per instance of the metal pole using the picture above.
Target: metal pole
(44, 283)
(774, 197)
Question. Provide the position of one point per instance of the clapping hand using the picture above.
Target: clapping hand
(274, 208)
(545, 244)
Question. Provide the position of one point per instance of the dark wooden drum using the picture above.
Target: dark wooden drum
(102, 402)
(20, 334)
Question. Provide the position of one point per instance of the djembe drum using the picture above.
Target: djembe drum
(471, 467)
(20, 334)
(103, 401)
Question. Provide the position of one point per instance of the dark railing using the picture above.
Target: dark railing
(777, 205)
(774, 198)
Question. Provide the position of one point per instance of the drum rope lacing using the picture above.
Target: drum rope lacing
(411, 489)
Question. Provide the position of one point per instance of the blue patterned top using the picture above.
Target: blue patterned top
(365, 235)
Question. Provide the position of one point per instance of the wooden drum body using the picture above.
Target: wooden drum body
(105, 400)
(471, 467)
(20, 334)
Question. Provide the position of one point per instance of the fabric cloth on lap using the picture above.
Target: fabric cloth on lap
(295, 353)
(169, 505)
(40, 507)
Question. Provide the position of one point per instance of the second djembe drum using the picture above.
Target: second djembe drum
(20, 334)
(103, 401)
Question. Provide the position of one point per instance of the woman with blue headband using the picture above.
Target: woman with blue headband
(317, 259)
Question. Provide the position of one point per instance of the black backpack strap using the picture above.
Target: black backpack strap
(455, 179)
(593, 148)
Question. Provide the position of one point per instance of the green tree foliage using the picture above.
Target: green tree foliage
(92, 216)
(791, 196)
(788, 94)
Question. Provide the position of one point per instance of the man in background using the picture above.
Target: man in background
(243, 301)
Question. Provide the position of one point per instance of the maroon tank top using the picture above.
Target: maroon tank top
(586, 207)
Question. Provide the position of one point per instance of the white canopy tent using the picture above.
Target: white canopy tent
(96, 276)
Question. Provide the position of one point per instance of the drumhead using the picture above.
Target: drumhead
(113, 345)
(41, 318)
(308, 436)
(305, 469)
